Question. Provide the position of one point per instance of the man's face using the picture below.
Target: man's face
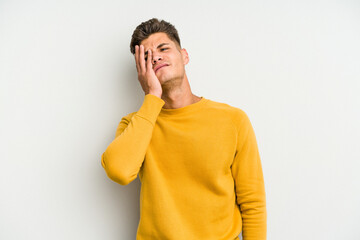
(165, 51)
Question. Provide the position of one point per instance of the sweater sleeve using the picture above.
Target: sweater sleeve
(249, 182)
(124, 156)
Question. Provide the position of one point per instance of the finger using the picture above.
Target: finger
(137, 57)
(142, 59)
(149, 64)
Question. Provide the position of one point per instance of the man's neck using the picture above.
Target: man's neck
(179, 100)
(179, 96)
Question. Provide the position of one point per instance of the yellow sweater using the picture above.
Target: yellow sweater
(199, 167)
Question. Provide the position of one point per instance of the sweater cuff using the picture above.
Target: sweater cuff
(151, 108)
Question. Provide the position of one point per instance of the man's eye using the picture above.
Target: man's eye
(163, 49)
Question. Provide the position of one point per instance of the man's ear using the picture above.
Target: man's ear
(185, 56)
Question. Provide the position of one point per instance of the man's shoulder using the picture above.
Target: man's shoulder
(127, 117)
(226, 108)
(237, 115)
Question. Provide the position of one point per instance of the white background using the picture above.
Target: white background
(67, 78)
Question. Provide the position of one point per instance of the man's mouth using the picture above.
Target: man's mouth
(165, 65)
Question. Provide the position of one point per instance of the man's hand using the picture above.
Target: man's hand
(146, 75)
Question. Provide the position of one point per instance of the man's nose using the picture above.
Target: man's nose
(156, 58)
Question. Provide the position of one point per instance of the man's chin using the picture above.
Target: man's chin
(162, 78)
(170, 82)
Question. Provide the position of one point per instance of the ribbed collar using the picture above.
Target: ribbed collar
(183, 110)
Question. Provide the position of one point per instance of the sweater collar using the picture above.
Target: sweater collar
(183, 110)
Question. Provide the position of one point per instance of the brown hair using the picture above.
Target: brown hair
(145, 29)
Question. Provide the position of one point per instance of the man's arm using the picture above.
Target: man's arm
(249, 182)
(124, 156)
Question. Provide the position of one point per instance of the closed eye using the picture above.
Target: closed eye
(160, 49)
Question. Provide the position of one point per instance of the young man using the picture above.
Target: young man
(197, 159)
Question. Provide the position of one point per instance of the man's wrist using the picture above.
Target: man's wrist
(156, 94)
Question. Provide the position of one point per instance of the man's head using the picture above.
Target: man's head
(145, 29)
(162, 39)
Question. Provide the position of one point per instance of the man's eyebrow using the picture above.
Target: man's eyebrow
(160, 45)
